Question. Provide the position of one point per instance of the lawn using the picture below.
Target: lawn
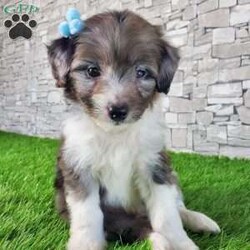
(219, 187)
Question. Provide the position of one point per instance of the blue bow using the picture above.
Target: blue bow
(73, 25)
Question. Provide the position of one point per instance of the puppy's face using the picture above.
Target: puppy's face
(115, 67)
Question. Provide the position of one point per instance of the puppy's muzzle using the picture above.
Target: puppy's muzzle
(118, 113)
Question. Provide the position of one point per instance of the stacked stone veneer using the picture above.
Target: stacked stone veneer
(209, 103)
(208, 107)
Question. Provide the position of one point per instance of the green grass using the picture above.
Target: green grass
(216, 186)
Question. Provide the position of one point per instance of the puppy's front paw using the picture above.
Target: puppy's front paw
(159, 242)
(81, 242)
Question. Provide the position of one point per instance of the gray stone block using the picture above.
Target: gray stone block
(219, 120)
(207, 6)
(247, 99)
(234, 117)
(200, 92)
(177, 24)
(244, 114)
(148, 3)
(175, 4)
(182, 4)
(216, 18)
(200, 52)
(243, 1)
(207, 147)
(176, 89)
(242, 132)
(187, 88)
(245, 62)
(207, 78)
(208, 64)
(223, 35)
(246, 84)
(204, 39)
(190, 139)
(214, 108)
(217, 134)
(235, 151)
(227, 3)
(231, 50)
(230, 100)
(229, 123)
(238, 142)
(188, 52)
(225, 110)
(230, 63)
(186, 118)
(180, 105)
(237, 74)
(242, 33)
(204, 118)
(58, 109)
(225, 90)
(177, 37)
(190, 12)
(54, 97)
(177, 125)
(199, 104)
(171, 117)
(179, 138)
(240, 14)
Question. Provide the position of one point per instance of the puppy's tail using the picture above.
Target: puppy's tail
(198, 222)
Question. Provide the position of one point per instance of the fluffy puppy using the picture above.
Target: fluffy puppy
(113, 177)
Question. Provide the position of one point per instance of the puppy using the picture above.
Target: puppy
(113, 177)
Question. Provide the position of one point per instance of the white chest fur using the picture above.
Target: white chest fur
(116, 157)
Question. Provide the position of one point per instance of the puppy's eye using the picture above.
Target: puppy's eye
(144, 73)
(93, 71)
(141, 73)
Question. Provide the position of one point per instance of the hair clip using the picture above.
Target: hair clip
(73, 25)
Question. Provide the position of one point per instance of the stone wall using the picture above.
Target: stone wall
(208, 107)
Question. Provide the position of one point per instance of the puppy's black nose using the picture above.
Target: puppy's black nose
(118, 113)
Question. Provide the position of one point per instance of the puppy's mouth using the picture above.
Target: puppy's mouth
(118, 123)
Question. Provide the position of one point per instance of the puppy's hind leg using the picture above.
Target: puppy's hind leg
(197, 222)
(60, 200)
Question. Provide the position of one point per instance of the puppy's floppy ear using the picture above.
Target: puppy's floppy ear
(60, 54)
(168, 66)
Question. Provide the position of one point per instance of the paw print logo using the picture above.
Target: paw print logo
(20, 26)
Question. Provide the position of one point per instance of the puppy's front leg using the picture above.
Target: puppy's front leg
(86, 217)
(160, 194)
(165, 219)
